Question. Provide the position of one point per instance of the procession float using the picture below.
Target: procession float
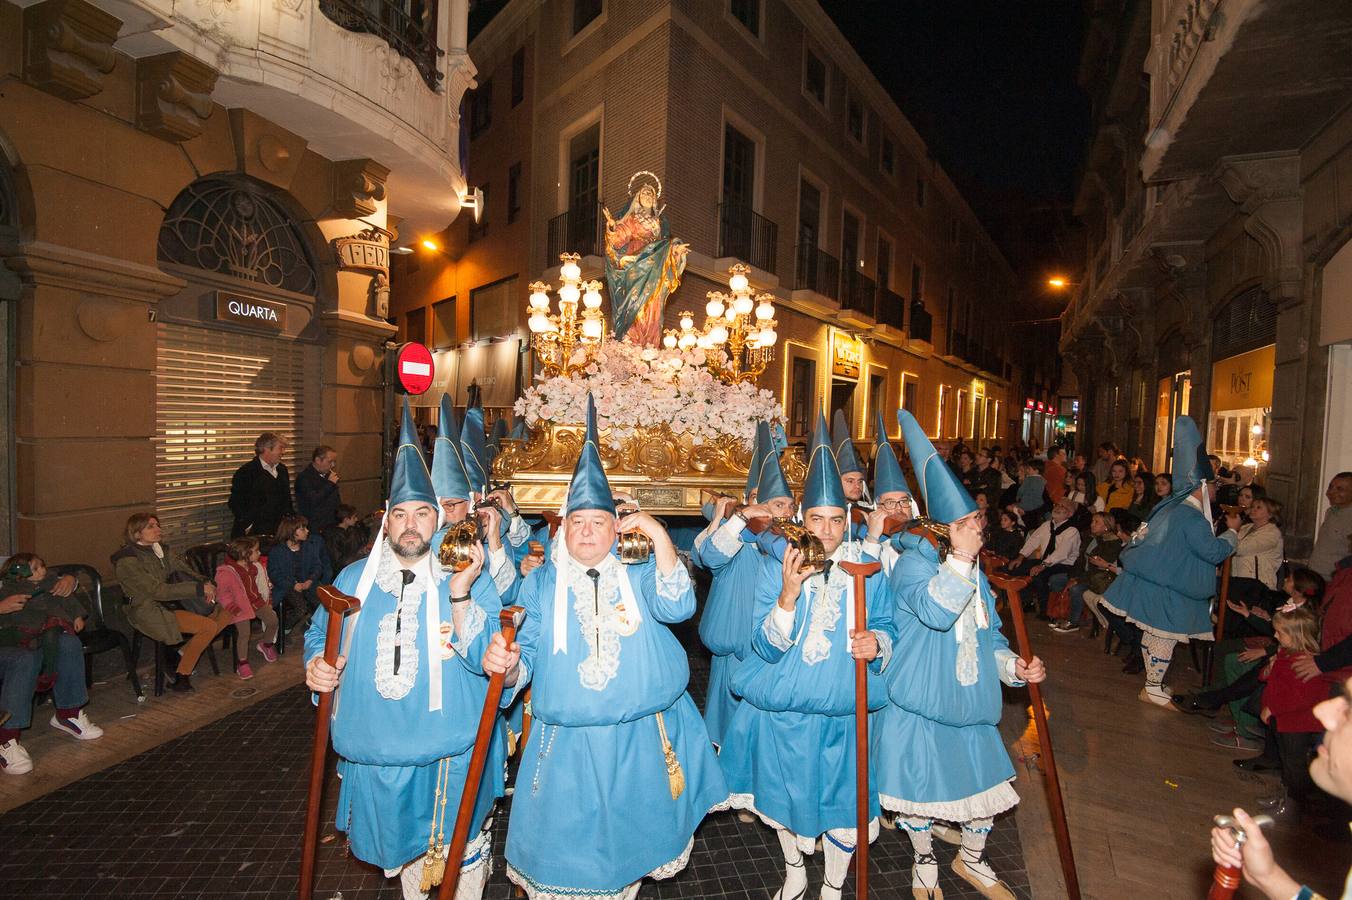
(677, 408)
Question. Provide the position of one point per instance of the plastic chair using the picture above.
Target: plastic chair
(97, 637)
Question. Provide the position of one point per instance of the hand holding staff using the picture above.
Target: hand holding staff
(338, 605)
(509, 620)
(1228, 839)
(860, 572)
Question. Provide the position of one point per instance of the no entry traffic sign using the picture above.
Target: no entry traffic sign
(413, 367)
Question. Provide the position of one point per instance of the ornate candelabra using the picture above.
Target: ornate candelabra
(740, 324)
(566, 341)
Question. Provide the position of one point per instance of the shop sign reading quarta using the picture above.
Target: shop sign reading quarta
(253, 312)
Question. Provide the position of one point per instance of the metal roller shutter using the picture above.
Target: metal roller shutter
(216, 392)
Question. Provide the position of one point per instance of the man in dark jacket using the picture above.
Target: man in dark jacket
(317, 495)
(260, 491)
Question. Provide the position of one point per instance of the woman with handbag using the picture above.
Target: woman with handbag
(166, 599)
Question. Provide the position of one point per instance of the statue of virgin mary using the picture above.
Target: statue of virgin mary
(643, 264)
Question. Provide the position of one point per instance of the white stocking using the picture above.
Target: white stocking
(795, 873)
(925, 871)
(1156, 652)
(837, 847)
(974, 834)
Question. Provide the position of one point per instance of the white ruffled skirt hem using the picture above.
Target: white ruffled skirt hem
(807, 844)
(986, 804)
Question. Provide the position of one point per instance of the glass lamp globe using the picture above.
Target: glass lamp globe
(686, 342)
(592, 299)
(718, 335)
(538, 323)
(687, 322)
(570, 271)
(765, 310)
(737, 283)
(742, 304)
(569, 294)
(714, 308)
(669, 341)
(768, 337)
(539, 300)
(591, 328)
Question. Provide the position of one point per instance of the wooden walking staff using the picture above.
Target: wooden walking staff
(861, 572)
(338, 605)
(1012, 586)
(509, 620)
(1222, 607)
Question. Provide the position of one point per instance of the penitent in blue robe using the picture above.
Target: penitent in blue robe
(725, 625)
(592, 812)
(1169, 573)
(389, 749)
(789, 752)
(936, 745)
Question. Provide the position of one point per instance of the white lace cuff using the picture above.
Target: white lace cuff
(1005, 660)
(779, 628)
(672, 586)
(884, 650)
(727, 537)
(500, 568)
(518, 530)
(951, 588)
(470, 628)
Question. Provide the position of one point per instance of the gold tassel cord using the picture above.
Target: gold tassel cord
(675, 777)
(434, 863)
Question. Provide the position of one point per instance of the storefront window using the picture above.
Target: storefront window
(1241, 401)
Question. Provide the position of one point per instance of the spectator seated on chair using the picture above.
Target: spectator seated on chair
(166, 599)
(242, 587)
(297, 565)
(1094, 571)
(1006, 538)
(1050, 549)
(40, 618)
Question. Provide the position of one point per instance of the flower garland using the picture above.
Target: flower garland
(645, 387)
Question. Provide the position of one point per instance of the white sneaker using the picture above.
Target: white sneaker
(79, 727)
(14, 759)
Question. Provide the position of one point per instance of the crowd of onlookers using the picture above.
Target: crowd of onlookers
(257, 586)
(1284, 630)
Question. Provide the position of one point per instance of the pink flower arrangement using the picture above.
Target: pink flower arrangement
(643, 387)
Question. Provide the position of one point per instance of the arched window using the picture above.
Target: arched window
(235, 226)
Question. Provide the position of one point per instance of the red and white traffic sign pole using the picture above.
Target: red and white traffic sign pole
(413, 367)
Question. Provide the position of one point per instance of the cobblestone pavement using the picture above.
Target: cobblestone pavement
(218, 813)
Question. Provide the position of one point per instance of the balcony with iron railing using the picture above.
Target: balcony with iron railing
(858, 298)
(891, 309)
(745, 234)
(408, 26)
(575, 231)
(816, 270)
(921, 326)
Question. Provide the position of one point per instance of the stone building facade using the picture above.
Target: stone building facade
(1217, 204)
(775, 147)
(196, 207)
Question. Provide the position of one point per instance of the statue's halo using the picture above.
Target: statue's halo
(652, 175)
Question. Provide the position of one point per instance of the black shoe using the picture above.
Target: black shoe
(181, 684)
(1258, 764)
(1133, 666)
(1195, 705)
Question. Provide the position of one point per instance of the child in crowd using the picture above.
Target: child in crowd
(1032, 497)
(1288, 700)
(243, 588)
(1093, 572)
(346, 540)
(297, 566)
(44, 615)
(1006, 539)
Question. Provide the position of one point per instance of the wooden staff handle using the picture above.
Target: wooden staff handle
(338, 605)
(509, 620)
(1225, 881)
(1222, 608)
(861, 571)
(1012, 586)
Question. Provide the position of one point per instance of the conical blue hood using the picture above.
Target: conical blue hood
(770, 480)
(843, 448)
(758, 451)
(473, 448)
(448, 471)
(589, 488)
(778, 438)
(822, 485)
(887, 475)
(519, 432)
(500, 431)
(410, 480)
(946, 500)
(1191, 467)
